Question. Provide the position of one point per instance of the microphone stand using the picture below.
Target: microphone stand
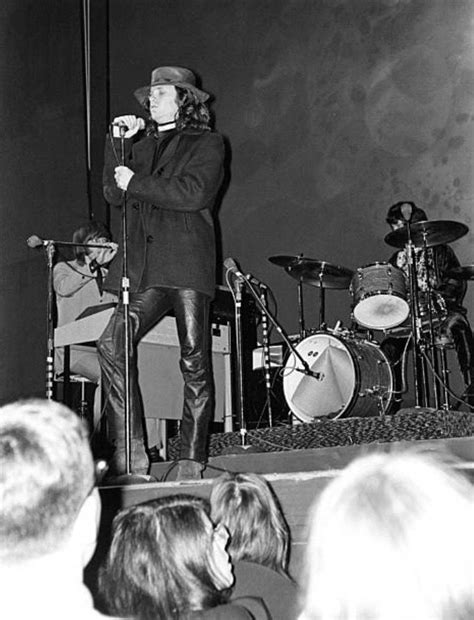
(50, 250)
(266, 354)
(242, 279)
(126, 314)
(306, 369)
(240, 368)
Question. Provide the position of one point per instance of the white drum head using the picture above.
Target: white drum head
(381, 311)
(309, 397)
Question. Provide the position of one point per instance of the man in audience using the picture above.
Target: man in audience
(50, 512)
(391, 537)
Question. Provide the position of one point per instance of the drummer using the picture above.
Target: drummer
(447, 295)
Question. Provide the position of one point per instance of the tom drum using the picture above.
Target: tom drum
(379, 296)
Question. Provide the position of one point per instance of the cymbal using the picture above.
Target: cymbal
(462, 273)
(314, 272)
(429, 233)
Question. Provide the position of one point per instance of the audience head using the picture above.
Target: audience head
(247, 506)
(391, 538)
(89, 233)
(47, 495)
(166, 559)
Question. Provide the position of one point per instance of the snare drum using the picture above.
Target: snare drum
(348, 375)
(379, 296)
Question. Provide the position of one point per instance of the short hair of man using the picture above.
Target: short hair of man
(158, 561)
(46, 473)
(246, 504)
(389, 538)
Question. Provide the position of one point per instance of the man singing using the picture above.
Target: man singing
(171, 173)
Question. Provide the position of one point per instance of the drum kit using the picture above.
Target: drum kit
(334, 373)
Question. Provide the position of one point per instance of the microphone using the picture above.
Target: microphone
(232, 266)
(35, 242)
(122, 125)
(253, 280)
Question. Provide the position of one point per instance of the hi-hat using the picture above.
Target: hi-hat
(462, 273)
(314, 272)
(427, 234)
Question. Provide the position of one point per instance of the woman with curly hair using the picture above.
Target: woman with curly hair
(259, 540)
(167, 561)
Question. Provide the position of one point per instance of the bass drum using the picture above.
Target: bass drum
(348, 376)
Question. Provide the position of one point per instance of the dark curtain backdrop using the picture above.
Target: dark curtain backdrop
(333, 110)
(43, 171)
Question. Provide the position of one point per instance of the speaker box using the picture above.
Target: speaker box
(160, 378)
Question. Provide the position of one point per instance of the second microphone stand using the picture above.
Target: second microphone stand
(242, 279)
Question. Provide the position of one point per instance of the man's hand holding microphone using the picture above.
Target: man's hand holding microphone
(125, 127)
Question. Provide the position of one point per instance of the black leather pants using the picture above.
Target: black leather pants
(191, 309)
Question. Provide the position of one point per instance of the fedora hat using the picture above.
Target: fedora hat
(171, 76)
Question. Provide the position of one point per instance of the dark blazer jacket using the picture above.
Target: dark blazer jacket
(171, 237)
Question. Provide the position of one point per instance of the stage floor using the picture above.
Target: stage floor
(298, 461)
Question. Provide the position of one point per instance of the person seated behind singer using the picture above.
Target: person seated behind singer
(50, 512)
(391, 538)
(259, 540)
(449, 315)
(167, 560)
(78, 285)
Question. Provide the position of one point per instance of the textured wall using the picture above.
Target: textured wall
(334, 110)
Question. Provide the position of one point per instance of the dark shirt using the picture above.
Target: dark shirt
(277, 591)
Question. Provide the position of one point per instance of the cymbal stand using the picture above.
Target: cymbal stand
(322, 302)
(431, 343)
(419, 367)
(301, 310)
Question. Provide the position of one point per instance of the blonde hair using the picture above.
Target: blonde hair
(391, 537)
(247, 506)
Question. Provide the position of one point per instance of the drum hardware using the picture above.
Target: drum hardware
(355, 378)
(426, 234)
(313, 273)
(379, 296)
(465, 272)
(249, 282)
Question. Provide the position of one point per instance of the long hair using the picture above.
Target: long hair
(88, 232)
(158, 564)
(247, 506)
(192, 113)
(390, 538)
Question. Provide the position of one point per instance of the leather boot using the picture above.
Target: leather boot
(139, 459)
